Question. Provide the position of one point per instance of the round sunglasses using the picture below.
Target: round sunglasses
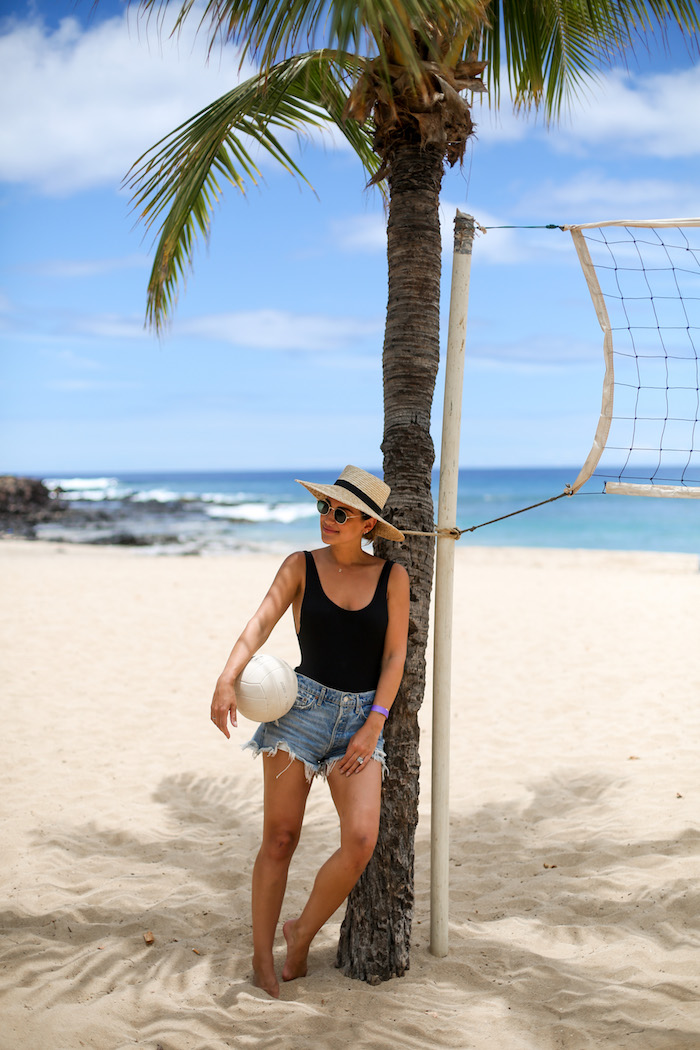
(339, 513)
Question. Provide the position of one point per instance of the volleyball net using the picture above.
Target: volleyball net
(644, 280)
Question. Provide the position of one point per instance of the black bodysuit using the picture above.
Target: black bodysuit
(342, 648)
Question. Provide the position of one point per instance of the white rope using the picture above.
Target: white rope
(606, 408)
(644, 223)
(628, 488)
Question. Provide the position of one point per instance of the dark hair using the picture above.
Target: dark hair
(368, 535)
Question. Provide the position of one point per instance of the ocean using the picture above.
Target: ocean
(207, 512)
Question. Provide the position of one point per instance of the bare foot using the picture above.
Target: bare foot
(297, 952)
(264, 977)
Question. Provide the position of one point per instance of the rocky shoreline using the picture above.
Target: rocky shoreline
(30, 510)
(26, 503)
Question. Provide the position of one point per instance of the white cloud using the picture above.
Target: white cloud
(255, 329)
(643, 114)
(81, 104)
(76, 268)
(494, 241)
(496, 126)
(360, 233)
(73, 360)
(495, 245)
(109, 326)
(367, 233)
(646, 114)
(349, 362)
(596, 195)
(532, 354)
(280, 330)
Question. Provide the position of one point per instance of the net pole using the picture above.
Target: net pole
(444, 586)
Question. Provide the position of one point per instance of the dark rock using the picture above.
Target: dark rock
(121, 539)
(22, 495)
(24, 503)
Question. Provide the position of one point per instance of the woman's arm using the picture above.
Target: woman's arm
(396, 640)
(280, 596)
(364, 741)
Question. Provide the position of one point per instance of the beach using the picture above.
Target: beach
(575, 805)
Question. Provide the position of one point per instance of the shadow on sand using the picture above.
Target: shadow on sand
(564, 934)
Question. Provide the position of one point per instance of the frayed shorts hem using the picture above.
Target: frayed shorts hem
(310, 771)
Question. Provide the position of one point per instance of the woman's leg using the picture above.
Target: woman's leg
(357, 799)
(286, 791)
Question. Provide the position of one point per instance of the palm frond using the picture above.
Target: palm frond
(269, 31)
(177, 184)
(549, 49)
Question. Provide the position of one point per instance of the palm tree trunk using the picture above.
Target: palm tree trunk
(376, 932)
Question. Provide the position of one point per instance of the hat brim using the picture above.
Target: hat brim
(383, 528)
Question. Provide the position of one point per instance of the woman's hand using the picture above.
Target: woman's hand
(362, 746)
(223, 707)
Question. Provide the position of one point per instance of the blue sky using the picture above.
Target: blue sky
(273, 358)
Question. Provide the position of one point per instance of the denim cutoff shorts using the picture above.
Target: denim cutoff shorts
(317, 728)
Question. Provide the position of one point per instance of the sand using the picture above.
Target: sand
(575, 797)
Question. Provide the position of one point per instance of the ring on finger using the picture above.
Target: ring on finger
(360, 760)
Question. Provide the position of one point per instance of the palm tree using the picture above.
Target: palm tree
(396, 77)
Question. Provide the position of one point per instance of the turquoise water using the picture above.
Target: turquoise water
(187, 512)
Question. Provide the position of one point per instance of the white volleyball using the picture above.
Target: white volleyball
(266, 688)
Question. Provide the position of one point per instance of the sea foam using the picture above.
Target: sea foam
(94, 489)
(285, 513)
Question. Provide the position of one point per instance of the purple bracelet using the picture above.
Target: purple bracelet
(382, 710)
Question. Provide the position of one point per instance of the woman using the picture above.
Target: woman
(351, 617)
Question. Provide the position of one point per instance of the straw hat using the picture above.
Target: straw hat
(356, 488)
